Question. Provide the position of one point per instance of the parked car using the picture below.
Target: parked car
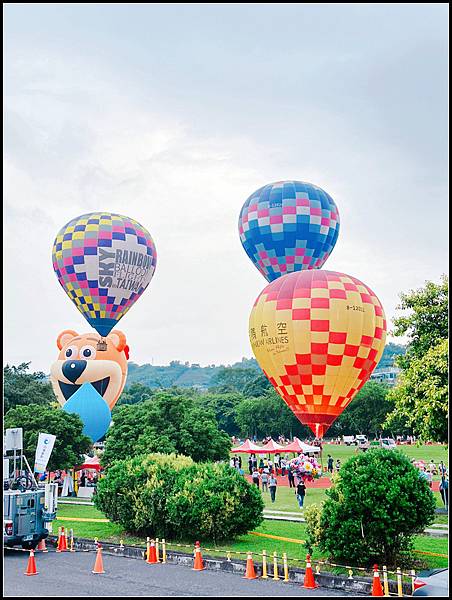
(388, 443)
(348, 440)
(432, 583)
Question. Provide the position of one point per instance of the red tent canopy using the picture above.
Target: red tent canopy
(90, 463)
(247, 448)
(294, 446)
(271, 447)
(299, 446)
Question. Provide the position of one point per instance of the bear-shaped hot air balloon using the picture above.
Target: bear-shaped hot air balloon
(288, 226)
(317, 335)
(88, 382)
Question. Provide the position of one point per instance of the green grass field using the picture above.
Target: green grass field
(109, 532)
(285, 501)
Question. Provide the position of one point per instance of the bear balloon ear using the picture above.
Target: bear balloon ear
(65, 336)
(119, 339)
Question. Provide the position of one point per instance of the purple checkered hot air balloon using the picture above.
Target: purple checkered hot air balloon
(104, 262)
(288, 226)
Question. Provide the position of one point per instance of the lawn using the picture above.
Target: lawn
(295, 532)
(257, 541)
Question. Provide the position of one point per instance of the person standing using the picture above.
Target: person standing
(291, 478)
(338, 465)
(330, 464)
(444, 490)
(300, 492)
(255, 476)
(264, 479)
(272, 483)
(250, 465)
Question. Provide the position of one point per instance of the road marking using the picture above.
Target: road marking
(277, 537)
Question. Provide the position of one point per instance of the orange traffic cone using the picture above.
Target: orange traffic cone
(151, 553)
(31, 566)
(99, 564)
(198, 564)
(377, 590)
(62, 541)
(250, 572)
(309, 581)
(42, 546)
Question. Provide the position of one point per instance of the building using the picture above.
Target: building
(388, 375)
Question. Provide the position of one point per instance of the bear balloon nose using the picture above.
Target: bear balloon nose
(72, 369)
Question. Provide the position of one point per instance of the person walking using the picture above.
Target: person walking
(291, 478)
(300, 492)
(255, 476)
(272, 483)
(330, 464)
(264, 480)
(444, 491)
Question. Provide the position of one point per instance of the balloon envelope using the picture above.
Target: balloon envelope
(317, 335)
(104, 262)
(288, 226)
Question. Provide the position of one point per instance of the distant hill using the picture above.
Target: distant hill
(192, 375)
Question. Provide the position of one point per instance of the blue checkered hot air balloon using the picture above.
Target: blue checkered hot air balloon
(288, 226)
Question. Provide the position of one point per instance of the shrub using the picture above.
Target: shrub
(377, 504)
(313, 515)
(172, 497)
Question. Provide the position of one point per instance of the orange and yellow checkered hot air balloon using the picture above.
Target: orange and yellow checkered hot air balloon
(317, 335)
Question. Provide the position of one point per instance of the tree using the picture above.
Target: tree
(135, 393)
(427, 322)
(224, 406)
(421, 397)
(375, 507)
(169, 422)
(22, 388)
(259, 386)
(268, 415)
(232, 379)
(70, 443)
(366, 413)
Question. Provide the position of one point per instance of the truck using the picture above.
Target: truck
(28, 507)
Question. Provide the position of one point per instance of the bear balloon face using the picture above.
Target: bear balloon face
(80, 362)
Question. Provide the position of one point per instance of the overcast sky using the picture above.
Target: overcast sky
(174, 114)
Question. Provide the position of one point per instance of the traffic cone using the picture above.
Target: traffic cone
(377, 590)
(309, 581)
(151, 554)
(31, 566)
(60, 541)
(198, 564)
(99, 564)
(42, 546)
(250, 572)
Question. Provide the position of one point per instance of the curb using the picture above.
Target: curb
(359, 585)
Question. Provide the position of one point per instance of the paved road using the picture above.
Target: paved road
(69, 575)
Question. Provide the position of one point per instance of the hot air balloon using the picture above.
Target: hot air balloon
(87, 382)
(317, 335)
(104, 262)
(288, 226)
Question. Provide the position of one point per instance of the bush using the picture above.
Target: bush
(170, 496)
(377, 504)
(313, 516)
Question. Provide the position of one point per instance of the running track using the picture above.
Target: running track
(322, 483)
